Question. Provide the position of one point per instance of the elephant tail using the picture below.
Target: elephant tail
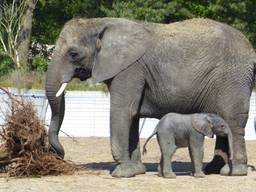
(144, 146)
(254, 82)
(254, 70)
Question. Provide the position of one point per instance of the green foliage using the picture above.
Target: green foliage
(50, 16)
(6, 64)
(163, 11)
(137, 9)
(76, 84)
(39, 63)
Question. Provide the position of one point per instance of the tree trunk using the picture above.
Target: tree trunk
(25, 35)
(1, 5)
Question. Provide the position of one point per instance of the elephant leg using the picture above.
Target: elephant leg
(120, 133)
(239, 162)
(126, 91)
(168, 148)
(196, 154)
(237, 122)
(134, 147)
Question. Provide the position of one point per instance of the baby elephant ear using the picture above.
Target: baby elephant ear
(202, 124)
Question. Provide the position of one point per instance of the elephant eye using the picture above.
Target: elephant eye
(73, 55)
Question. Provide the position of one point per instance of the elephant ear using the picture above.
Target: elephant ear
(122, 42)
(202, 124)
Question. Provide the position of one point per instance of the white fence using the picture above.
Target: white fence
(87, 114)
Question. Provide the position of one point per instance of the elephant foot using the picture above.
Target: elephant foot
(236, 170)
(159, 171)
(139, 168)
(199, 175)
(128, 169)
(169, 175)
(215, 165)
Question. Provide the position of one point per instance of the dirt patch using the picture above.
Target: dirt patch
(94, 153)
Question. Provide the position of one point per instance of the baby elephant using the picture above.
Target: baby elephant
(176, 130)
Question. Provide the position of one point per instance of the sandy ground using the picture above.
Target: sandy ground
(94, 153)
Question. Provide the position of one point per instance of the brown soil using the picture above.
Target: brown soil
(94, 154)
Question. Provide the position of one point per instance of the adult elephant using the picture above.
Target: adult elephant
(197, 65)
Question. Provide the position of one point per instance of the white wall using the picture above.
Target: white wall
(249, 129)
(87, 114)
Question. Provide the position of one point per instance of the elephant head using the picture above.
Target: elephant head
(96, 48)
(212, 124)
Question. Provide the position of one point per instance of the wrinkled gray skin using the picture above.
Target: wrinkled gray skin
(176, 130)
(197, 65)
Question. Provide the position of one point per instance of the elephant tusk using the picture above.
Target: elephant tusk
(62, 88)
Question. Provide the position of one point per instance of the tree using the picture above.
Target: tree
(15, 29)
(1, 5)
(10, 29)
(25, 33)
(161, 11)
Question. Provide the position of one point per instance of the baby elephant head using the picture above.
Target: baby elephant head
(212, 124)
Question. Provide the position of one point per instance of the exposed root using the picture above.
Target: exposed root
(25, 150)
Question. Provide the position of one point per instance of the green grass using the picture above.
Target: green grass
(36, 80)
(76, 84)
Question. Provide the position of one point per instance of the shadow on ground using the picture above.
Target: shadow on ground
(180, 168)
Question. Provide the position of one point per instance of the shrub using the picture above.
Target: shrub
(39, 63)
(6, 64)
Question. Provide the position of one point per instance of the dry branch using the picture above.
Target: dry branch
(25, 150)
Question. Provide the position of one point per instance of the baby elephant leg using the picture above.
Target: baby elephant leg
(168, 147)
(196, 152)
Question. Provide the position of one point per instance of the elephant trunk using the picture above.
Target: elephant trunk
(57, 104)
(230, 143)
